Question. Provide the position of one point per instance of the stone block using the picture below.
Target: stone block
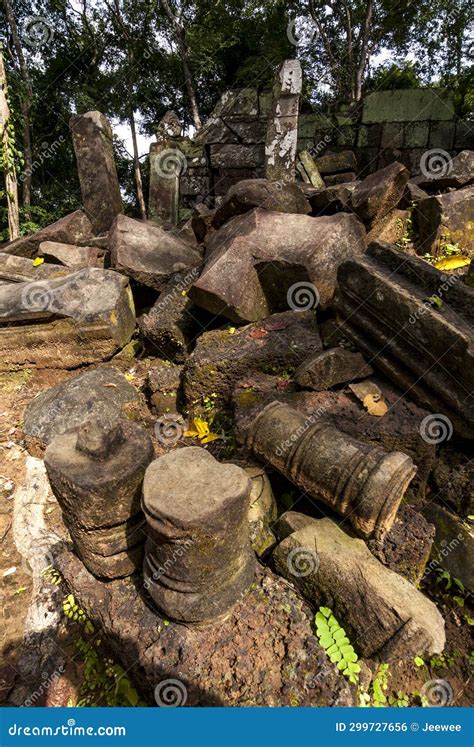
(464, 137)
(416, 135)
(236, 156)
(409, 105)
(442, 135)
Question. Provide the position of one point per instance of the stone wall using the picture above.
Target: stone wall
(389, 126)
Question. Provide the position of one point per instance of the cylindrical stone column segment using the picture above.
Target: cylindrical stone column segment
(96, 473)
(198, 557)
(360, 481)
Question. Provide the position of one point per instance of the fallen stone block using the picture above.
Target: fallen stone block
(332, 199)
(260, 193)
(364, 483)
(413, 194)
(447, 174)
(163, 385)
(69, 230)
(20, 269)
(170, 325)
(84, 317)
(453, 548)
(148, 254)
(198, 557)
(96, 472)
(263, 262)
(92, 139)
(264, 654)
(346, 176)
(70, 255)
(379, 193)
(386, 308)
(446, 219)
(331, 367)
(335, 163)
(394, 229)
(101, 392)
(453, 477)
(221, 357)
(384, 615)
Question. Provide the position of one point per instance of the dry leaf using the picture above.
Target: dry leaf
(38, 261)
(452, 263)
(256, 334)
(375, 405)
(202, 431)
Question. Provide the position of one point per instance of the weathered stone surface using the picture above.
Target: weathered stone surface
(163, 384)
(409, 105)
(308, 169)
(198, 559)
(169, 125)
(236, 156)
(413, 194)
(455, 174)
(96, 472)
(263, 262)
(69, 230)
(425, 349)
(363, 594)
(335, 163)
(292, 521)
(144, 251)
(346, 176)
(453, 548)
(332, 199)
(282, 130)
(378, 193)
(20, 269)
(86, 316)
(263, 510)
(364, 483)
(220, 358)
(71, 255)
(202, 220)
(92, 139)
(406, 548)
(260, 193)
(446, 218)
(167, 164)
(453, 477)
(170, 325)
(283, 662)
(392, 228)
(102, 392)
(331, 367)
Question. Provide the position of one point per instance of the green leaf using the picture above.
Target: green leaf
(418, 661)
(326, 641)
(325, 611)
(335, 657)
(339, 634)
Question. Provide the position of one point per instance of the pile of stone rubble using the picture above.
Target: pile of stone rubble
(343, 363)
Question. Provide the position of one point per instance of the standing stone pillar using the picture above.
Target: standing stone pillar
(360, 481)
(167, 163)
(198, 558)
(92, 139)
(282, 130)
(96, 473)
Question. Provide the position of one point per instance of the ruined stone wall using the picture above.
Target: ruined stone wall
(391, 125)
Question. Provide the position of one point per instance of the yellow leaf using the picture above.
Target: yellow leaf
(231, 330)
(128, 376)
(190, 434)
(201, 426)
(210, 437)
(452, 263)
(375, 405)
(38, 261)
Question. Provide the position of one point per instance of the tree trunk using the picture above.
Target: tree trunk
(6, 158)
(364, 47)
(136, 163)
(183, 51)
(25, 107)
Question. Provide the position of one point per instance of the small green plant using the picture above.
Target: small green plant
(379, 686)
(446, 581)
(72, 610)
(335, 642)
(104, 680)
(419, 661)
(400, 700)
(51, 575)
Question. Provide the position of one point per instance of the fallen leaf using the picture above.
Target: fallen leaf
(38, 261)
(202, 431)
(110, 386)
(375, 405)
(256, 334)
(453, 263)
(275, 324)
